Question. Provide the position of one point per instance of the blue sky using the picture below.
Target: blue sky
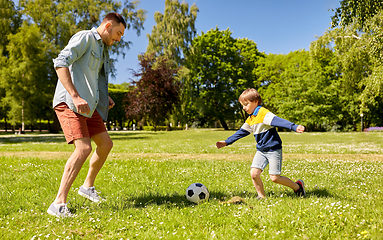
(277, 26)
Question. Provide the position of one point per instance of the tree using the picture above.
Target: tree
(302, 88)
(356, 12)
(360, 56)
(117, 114)
(55, 22)
(171, 37)
(156, 91)
(10, 21)
(27, 84)
(360, 47)
(174, 30)
(221, 67)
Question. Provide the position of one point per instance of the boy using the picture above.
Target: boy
(262, 123)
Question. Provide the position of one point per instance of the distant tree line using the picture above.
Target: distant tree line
(195, 79)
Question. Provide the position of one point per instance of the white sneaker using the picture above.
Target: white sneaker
(90, 194)
(61, 211)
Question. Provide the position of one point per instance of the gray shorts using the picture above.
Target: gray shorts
(274, 158)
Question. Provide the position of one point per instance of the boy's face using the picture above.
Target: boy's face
(249, 107)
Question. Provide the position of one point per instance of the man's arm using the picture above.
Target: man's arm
(66, 80)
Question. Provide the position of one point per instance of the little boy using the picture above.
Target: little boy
(262, 123)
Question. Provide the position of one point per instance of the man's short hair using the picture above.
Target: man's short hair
(250, 95)
(115, 17)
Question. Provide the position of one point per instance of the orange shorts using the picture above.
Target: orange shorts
(76, 126)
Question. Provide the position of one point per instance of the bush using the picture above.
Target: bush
(161, 128)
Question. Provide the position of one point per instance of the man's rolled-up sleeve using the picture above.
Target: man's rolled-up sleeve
(74, 50)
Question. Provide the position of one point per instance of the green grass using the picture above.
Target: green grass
(147, 173)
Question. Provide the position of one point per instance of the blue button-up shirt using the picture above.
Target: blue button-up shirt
(88, 61)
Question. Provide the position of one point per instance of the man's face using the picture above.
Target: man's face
(113, 33)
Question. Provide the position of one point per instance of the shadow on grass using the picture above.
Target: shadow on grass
(10, 139)
(133, 135)
(36, 138)
(174, 200)
(319, 192)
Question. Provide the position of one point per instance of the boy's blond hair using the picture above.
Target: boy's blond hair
(250, 95)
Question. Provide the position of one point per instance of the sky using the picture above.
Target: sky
(276, 26)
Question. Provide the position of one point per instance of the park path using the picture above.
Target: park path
(197, 156)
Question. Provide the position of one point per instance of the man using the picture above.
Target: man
(81, 102)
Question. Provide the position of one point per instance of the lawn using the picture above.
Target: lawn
(147, 173)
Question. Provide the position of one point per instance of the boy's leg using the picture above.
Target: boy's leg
(72, 167)
(104, 145)
(284, 181)
(255, 174)
(275, 169)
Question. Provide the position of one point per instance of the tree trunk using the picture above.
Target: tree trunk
(6, 125)
(224, 125)
(55, 127)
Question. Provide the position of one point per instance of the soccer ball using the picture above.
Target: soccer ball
(197, 192)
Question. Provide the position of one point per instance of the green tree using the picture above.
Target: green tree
(171, 37)
(221, 67)
(174, 30)
(55, 22)
(117, 114)
(301, 88)
(28, 87)
(356, 12)
(10, 21)
(360, 56)
(359, 45)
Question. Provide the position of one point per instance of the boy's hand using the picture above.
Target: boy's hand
(300, 129)
(221, 144)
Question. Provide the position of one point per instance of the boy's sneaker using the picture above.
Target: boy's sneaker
(301, 191)
(60, 211)
(90, 194)
(259, 198)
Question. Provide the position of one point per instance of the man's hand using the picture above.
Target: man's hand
(221, 144)
(111, 103)
(66, 80)
(81, 105)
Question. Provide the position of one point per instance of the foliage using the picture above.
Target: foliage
(356, 12)
(117, 113)
(28, 75)
(359, 57)
(172, 36)
(146, 175)
(27, 84)
(303, 88)
(9, 23)
(174, 30)
(156, 91)
(221, 67)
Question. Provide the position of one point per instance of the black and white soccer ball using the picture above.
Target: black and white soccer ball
(197, 192)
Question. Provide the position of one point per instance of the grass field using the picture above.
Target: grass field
(147, 173)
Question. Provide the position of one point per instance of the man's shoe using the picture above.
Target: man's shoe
(60, 211)
(90, 194)
(301, 191)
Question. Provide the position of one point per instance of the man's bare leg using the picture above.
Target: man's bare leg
(73, 167)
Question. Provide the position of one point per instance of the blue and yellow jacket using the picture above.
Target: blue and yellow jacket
(262, 124)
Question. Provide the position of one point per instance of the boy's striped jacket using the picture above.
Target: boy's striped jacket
(262, 124)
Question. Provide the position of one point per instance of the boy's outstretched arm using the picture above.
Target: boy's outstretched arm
(300, 129)
(221, 144)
